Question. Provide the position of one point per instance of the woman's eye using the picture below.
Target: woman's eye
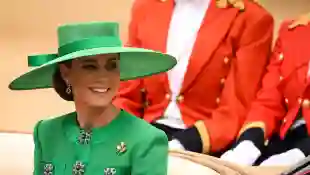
(89, 67)
(111, 65)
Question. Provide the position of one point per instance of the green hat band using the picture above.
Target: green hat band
(89, 43)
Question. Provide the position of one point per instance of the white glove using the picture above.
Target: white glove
(287, 158)
(245, 153)
(175, 144)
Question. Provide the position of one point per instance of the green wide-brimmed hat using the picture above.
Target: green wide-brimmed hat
(88, 39)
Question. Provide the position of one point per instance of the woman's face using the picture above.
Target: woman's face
(95, 79)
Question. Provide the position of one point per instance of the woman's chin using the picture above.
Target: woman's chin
(97, 99)
(99, 103)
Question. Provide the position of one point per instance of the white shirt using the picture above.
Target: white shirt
(185, 23)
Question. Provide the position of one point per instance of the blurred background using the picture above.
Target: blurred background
(28, 27)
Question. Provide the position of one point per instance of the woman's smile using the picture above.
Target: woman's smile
(100, 90)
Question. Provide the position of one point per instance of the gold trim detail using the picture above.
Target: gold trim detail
(252, 125)
(204, 135)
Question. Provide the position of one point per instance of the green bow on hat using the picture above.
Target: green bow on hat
(88, 39)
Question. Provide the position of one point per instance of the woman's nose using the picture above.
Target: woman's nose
(103, 71)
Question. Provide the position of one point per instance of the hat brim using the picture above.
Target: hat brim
(134, 63)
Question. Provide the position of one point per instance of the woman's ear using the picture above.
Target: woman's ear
(64, 71)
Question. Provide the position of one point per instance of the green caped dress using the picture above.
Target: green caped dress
(126, 146)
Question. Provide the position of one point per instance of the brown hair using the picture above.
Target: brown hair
(59, 84)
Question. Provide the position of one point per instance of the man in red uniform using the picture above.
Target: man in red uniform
(278, 124)
(222, 47)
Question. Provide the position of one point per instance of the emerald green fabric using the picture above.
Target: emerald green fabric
(56, 144)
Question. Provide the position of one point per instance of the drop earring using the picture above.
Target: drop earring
(69, 87)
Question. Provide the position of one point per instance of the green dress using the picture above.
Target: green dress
(126, 146)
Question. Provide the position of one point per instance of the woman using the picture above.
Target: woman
(280, 118)
(222, 47)
(98, 138)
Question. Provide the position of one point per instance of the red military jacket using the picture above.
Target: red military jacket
(286, 85)
(224, 73)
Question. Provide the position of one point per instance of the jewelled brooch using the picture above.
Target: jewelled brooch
(121, 148)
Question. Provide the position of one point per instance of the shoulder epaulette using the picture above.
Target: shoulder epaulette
(302, 20)
(239, 4)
